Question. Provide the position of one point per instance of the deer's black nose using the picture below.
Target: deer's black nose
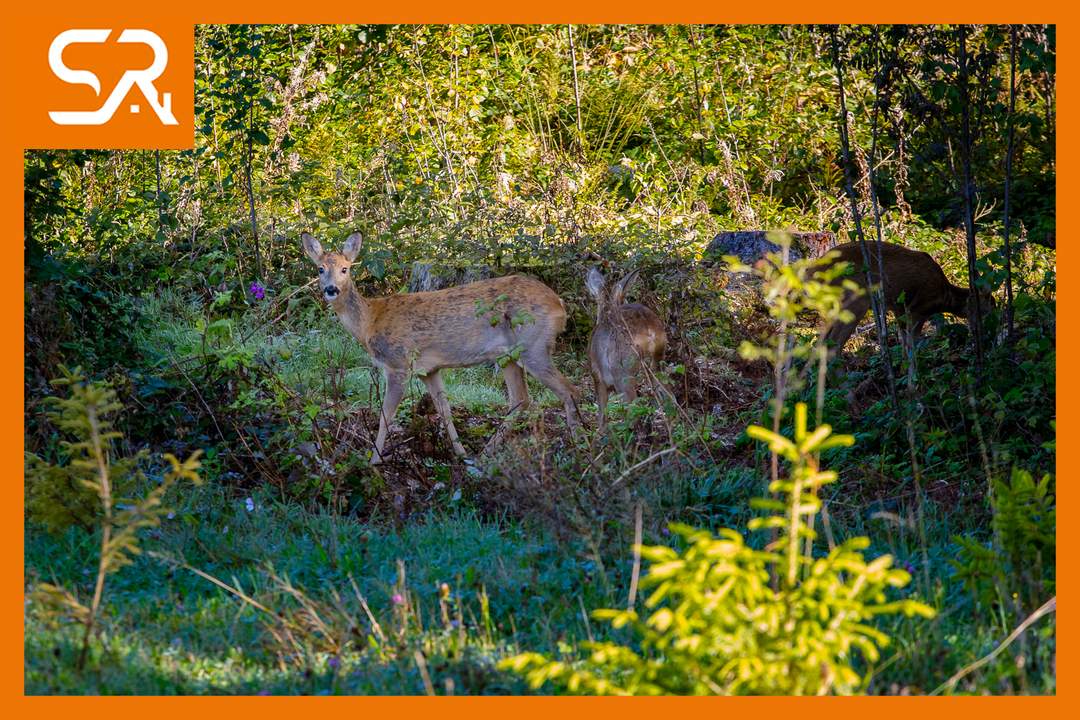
(331, 292)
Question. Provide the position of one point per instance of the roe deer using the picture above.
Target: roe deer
(512, 318)
(914, 285)
(626, 337)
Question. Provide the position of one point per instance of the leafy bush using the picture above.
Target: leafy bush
(74, 315)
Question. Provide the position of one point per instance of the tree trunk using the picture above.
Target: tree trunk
(251, 209)
(577, 92)
(697, 93)
(877, 300)
(1008, 184)
(160, 207)
(248, 160)
(967, 192)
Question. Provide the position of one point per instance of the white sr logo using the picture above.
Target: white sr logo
(143, 78)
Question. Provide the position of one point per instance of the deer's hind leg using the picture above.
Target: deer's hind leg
(516, 389)
(435, 387)
(626, 380)
(601, 399)
(538, 363)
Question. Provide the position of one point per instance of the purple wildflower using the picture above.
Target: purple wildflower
(257, 290)
(263, 692)
(334, 663)
(397, 599)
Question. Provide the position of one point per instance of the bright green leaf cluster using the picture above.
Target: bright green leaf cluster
(724, 618)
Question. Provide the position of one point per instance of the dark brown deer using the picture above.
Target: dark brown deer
(423, 333)
(627, 337)
(914, 285)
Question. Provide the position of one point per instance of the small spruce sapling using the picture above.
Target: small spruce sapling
(86, 415)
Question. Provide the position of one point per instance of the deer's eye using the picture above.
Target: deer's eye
(344, 270)
(322, 270)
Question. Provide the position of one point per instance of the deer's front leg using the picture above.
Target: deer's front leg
(395, 389)
(435, 387)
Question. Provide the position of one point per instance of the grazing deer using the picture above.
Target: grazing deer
(914, 284)
(513, 319)
(626, 337)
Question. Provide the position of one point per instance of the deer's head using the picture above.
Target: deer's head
(964, 299)
(334, 277)
(986, 302)
(608, 296)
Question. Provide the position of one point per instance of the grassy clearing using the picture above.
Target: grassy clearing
(170, 631)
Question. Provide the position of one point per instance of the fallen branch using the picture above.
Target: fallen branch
(1048, 607)
(646, 461)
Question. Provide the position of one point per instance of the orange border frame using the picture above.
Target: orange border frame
(477, 11)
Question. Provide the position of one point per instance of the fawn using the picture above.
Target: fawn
(513, 319)
(914, 284)
(627, 337)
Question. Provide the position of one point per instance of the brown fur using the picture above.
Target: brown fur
(423, 333)
(626, 337)
(909, 273)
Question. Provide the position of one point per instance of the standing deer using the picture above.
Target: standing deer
(512, 318)
(914, 284)
(627, 336)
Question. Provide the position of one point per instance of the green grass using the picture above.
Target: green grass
(166, 630)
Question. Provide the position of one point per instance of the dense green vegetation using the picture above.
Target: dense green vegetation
(176, 282)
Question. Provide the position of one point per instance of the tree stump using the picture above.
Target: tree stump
(426, 276)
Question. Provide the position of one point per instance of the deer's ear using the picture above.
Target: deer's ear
(622, 285)
(594, 282)
(351, 248)
(311, 247)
